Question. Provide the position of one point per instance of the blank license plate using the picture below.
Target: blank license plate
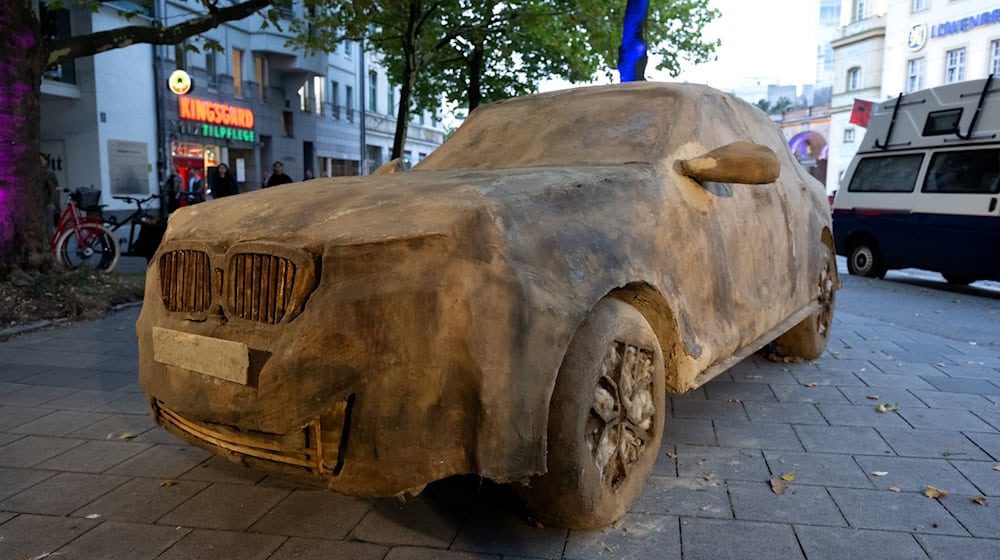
(222, 359)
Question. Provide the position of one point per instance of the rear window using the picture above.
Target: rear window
(964, 172)
(886, 174)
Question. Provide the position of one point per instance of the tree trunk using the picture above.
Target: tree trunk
(22, 239)
(475, 94)
(403, 114)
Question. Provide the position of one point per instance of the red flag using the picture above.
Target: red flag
(862, 112)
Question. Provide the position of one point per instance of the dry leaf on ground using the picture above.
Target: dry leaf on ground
(894, 489)
(879, 473)
(811, 384)
(996, 468)
(933, 492)
(778, 486)
(873, 397)
(980, 500)
(788, 477)
(672, 455)
(886, 407)
(168, 482)
(126, 435)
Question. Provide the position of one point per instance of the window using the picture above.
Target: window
(318, 96)
(335, 99)
(260, 72)
(286, 123)
(954, 66)
(995, 58)
(860, 9)
(390, 98)
(421, 118)
(305, 104)
(238, 72)
(210, 66)
(854, 78)
(347, 49)
(373, 91)
(964, 172)
(919, 5)
(349, 103)
(373, 155)
(886, 174)
(849, 136)
(942, 122)
(915, 75)
(55, 24)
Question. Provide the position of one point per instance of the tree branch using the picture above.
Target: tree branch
(86, 45)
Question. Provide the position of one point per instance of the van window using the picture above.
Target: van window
(942, 122)
(966, 171)
(886, 174)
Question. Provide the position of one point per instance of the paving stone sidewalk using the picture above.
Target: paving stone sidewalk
(82, 468)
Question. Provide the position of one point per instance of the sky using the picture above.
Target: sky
(773, 41)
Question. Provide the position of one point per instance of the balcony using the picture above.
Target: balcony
(859, 31)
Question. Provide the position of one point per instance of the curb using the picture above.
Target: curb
(11, 332)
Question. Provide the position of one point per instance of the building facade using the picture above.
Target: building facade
(891, 47)
(119, 122)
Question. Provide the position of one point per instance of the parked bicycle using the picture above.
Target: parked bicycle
(145, 230)
(81, 240)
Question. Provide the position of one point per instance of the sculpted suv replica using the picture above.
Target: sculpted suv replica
(516, 307)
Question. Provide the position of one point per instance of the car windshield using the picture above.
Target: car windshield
(588, 126)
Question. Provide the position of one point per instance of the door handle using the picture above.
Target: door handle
(993, 204)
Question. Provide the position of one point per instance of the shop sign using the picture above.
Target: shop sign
(213, 112)
(227, 133)
(179, 82)
(919, 33)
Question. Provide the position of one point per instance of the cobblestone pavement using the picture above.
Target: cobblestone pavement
(82, 468)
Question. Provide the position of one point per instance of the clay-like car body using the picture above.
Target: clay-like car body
(517, 306)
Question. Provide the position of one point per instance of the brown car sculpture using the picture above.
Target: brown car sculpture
(516, 307)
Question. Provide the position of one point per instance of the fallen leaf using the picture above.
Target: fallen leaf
(538, 525)
(93, 516)
(735, 401)
(709, 476)
(788, 477)
(996, 468)
(894, 488)
(980, 500)
(873, 397)
(879, 473)
(126, 435)
(811, 385)
(777, 486)
(933, 492)
(886, 407)
(880, 408)
(672, 455)
(168, 482)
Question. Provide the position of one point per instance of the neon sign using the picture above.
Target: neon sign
(227, 133)
(213, 112)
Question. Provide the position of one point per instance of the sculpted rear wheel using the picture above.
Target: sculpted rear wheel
(808, 339)
(605, 421)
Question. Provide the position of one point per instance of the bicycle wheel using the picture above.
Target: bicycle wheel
(95, 247)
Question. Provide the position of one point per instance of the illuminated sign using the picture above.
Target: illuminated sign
(917, 37)
(213, 112)
(227, 133)
(179, 82)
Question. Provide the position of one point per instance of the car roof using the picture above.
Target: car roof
(619, 123)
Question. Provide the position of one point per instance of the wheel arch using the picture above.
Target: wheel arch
(651, 303)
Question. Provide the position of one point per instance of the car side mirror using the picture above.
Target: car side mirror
(392, 166)
(739, 162)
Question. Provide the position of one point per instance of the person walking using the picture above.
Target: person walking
(223, 183)
(278, 176)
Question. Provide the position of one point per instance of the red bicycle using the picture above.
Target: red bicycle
(81, 240)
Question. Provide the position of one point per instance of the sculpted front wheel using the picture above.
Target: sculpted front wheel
(808, 339)
(605, 421)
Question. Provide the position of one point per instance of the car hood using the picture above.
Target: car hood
(350, 210)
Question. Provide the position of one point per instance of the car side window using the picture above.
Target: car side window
(896, 174)
(964, 172)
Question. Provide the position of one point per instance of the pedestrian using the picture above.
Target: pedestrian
(278, 176)
(48, 195)
(223, 183)
(171, 189)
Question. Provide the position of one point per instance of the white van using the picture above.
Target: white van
(923, 189)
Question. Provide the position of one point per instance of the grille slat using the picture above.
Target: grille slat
(184, 281)
(260, 287)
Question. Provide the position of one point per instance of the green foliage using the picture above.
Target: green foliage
(782, 104)
(763, 105)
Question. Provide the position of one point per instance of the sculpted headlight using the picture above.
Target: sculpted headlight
(267, 283)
